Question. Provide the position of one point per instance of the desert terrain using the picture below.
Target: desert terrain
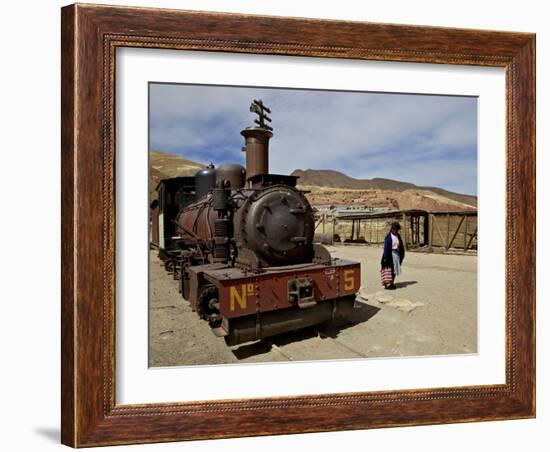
(379, 198)
(421, 317)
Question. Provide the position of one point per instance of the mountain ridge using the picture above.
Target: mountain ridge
(337, 179)
(331, 187)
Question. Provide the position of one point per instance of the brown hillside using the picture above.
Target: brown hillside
(329, 187)
(170, 165)
(396, 200)
(163, 166)
(331, 178)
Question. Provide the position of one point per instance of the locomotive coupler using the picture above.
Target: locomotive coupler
(300, 292)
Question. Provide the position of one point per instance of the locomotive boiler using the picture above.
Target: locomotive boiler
(243, 250)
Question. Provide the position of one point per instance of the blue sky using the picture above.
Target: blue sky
(424, 139)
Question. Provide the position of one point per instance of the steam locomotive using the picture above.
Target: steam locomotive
(240, 243)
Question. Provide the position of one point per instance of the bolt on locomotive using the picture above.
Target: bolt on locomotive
(240, 243)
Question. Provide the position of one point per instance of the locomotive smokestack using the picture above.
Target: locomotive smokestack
(257, 141)
(257, 150)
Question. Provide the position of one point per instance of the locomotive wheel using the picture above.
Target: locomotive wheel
(208, 306)
(169, 265)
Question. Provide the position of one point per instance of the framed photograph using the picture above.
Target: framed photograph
(281, 225)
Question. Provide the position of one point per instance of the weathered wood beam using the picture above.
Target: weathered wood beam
(456, 232)
(473, 236)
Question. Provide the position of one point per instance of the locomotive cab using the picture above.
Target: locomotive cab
(174, 194)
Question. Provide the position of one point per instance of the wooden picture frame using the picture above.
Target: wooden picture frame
(90, 36)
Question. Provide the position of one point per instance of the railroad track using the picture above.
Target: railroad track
(293, 356)
(278, 350)
(341, 344)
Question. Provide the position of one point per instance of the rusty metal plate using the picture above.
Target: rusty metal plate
(243, 293)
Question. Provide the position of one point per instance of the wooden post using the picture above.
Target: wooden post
(370, 231)
(430, 231)
(448, 232)
(471, 238)
(324, 219)
(465, 232)
(425, 230)
(405, 232)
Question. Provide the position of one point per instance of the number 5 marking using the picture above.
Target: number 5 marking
(349, 281)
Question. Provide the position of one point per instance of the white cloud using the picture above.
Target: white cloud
(417, 138)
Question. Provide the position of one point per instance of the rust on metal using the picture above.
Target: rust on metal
(244, 252)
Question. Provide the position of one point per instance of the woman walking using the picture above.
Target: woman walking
(392, 258)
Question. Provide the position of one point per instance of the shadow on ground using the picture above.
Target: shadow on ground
(402, 284)
(361, 313)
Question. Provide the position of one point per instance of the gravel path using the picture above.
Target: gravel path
(432, 312)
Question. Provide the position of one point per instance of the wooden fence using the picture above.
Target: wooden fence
(419, 229)
(449, 230)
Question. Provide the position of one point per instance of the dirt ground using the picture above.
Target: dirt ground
(432, 312)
